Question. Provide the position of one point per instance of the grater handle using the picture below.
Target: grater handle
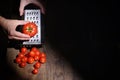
(31, 6)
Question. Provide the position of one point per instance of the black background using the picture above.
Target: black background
(87, 34)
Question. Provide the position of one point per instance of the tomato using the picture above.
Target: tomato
(22, 65)
(18, 60)
(37, 52)
(30, 29)
(37, 65)
(24, 59)
(31, 54)
(30, 60)
(23, 50)
(36, 57)
(20, 55)
(42, 54)
(35, 71)
(34, 49)
(42, 60)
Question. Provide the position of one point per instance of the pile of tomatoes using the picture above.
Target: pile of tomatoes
(33, 56)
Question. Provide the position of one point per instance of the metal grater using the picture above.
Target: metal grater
(33, 15)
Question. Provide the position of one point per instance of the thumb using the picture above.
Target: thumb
(22, 22)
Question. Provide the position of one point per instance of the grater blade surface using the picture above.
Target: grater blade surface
(33, 15)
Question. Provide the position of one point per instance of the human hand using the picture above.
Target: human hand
(24, 3)
(10, 26)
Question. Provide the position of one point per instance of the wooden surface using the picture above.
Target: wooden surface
(56, 67)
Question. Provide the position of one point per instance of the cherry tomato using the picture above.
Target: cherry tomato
(18, 60)
(37, 52)
(42, 54)
(23, 50)
(37, 65)
(36, 57)
(30, 60)
(31, 53)
(34, 49)
(24, 59)
(21, 55)
(35, 71)
(22, 65)
(30, 29)
(42, 60)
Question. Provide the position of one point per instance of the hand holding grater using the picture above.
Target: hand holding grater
(32, 14)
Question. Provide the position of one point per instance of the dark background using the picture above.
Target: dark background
(86, 33)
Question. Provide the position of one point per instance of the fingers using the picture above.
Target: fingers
(21, 9)
(19, 36)
(22, 22)
(23, 3)
(13, 34)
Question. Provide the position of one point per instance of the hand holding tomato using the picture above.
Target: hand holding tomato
(10, 26)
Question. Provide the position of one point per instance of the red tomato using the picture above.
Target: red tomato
(37, 65)
(31, 54)
(22, 65)
(30, 29)
(23, 50)
(42, 54)
(34, 49)
(35, 71)
(37, 52)
(24, 59)
(18, 60)
(20, 55)
(36, 57)
(42, 60)
(30, 60)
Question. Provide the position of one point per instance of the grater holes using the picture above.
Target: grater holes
(36, 13)
(37, 22)
(30, 18)
(32, 13)
(27, 18)
(33, 21)
(34, 40)
(37, 40)
(33, 18)
(31, 40)
(36, 18)
(37, 36)
(27, 13)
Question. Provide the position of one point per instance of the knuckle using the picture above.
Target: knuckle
(11, 33)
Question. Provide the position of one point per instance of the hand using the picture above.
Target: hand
(10, 26)
(23, 3)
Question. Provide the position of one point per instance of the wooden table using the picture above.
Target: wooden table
(56, 67)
